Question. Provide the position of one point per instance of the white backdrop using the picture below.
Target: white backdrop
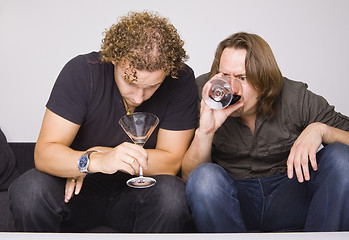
(37, 37)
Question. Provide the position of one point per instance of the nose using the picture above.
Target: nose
(236, 86)
(138, 96)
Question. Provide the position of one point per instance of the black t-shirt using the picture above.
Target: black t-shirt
(85, 93)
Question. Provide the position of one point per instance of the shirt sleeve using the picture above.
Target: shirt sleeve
(182, 109)
(315, 108)
(69, 96)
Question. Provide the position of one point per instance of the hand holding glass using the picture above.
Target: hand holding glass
(220, 94)
(139, 126)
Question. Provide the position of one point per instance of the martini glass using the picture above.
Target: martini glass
(139, 126)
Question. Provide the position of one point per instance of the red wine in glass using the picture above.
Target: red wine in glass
(220, 94)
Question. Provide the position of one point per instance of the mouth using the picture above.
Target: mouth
(133, 104)
(235, 99)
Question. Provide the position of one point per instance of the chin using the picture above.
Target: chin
(238, 112)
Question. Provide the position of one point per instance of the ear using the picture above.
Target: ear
(113, 62)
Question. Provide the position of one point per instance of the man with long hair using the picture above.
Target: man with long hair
(255, 165)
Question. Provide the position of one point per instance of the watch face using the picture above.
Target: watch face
(83, 162)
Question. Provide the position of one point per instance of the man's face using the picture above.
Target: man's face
(232, 63)
(136, 92)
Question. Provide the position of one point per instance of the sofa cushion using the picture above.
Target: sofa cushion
(8, 171)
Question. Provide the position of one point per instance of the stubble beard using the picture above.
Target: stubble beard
(238, 112)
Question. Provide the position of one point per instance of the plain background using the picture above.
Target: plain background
(37, 37)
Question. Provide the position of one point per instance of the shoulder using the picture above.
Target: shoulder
(81, 62)
(200, 82)
(186, 71)
(293, 90)
(202, 79)
(293, 85)
(91, 58)
(184, 79)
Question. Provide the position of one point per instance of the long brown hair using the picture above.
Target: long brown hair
(262, 71)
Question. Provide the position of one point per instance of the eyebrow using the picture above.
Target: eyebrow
(240, 74)
(235, 75)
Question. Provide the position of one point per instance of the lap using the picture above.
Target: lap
(131, 206)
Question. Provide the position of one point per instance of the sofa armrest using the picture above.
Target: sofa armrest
(24, 153)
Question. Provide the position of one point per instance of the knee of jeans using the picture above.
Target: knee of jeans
(26, 192)
(335, 160)
(206, 181)
(170, 194)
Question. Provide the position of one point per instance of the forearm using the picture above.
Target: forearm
(168, 154)
(57, 159)
(332, 135)
(162, 162)
(199, 152)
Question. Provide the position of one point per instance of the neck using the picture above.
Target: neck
(129, 110)
(250, 121)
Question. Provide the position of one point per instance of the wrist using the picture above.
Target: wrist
(202, 134)
(94, 162)
(84, 161)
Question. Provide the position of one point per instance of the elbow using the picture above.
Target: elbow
(184, 174)
(174, 170)
(184, 177)
(37, 158)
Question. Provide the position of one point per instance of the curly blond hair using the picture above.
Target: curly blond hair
(145, 41)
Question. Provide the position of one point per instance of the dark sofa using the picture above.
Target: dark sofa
(23, 154)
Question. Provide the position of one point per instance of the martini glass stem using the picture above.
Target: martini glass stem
(140, 167)
(140, 171)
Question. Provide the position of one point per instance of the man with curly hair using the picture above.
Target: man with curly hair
(140, 68)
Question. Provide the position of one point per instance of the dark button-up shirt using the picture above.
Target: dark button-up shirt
(265, 153)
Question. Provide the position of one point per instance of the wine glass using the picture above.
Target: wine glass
(139, 126)
(218, 93)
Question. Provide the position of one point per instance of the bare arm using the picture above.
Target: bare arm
(200, 149)
(305, 147)
(54, 156)
(167, 157)
(198, 153)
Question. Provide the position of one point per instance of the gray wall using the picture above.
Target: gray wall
(37, 37)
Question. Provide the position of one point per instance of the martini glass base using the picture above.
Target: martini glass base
(141, 182)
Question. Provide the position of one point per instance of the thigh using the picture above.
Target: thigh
(88, 209)
(213, 197)
(37, 201)
(160, 208)
(286, 207)
(208, 181)
(250, 196)
(33, 184)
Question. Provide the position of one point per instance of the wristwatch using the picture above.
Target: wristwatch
(84, 161)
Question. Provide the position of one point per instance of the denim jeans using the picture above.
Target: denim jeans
(220, 203)
(37, 203)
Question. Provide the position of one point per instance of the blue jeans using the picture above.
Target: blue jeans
(220, 203)
(37, 203)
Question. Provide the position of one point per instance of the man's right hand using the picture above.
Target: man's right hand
(126, 157)
(212, 119)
